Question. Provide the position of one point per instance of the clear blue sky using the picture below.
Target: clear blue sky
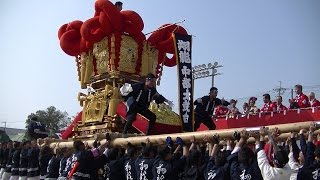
(258, 42)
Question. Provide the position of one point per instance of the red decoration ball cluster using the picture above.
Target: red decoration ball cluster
(77, 36)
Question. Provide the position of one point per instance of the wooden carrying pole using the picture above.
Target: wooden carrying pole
(224, 134)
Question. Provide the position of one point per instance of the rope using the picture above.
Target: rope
(164, 27)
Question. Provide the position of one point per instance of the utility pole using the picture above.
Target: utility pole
(280, 90)
(5, 125)
(203, 71)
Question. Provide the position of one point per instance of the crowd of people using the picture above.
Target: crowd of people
(210, 106)
(300, 101)
(209, 158)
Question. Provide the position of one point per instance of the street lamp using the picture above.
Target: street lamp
(203, 71)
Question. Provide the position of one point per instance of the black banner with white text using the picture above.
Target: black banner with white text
(183, 55)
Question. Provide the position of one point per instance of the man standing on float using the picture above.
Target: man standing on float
(205, 109)
(138, 98)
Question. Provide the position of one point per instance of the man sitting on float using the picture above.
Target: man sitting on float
(138, 98)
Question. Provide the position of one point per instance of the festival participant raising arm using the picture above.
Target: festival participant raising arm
(83, 160)
(54, 164)
(294, 162)
(243, 162)
(281, 169)
(144, 162)
(217, 168)
(129, 168)
(167, 165)
(311, 166)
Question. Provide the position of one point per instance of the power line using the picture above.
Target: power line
(280, 90)
(283, 90)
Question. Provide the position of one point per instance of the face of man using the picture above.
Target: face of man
(27, 146)
(251, 103)
(119, 6)
(311, 96)
(214, 93)
(151, 83)
(279, 100)
(265, 100)
(297, 90)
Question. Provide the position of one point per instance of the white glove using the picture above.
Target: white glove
(126, 89)
(199, 100)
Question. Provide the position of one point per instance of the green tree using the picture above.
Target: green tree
(53, 118)
(3, 136)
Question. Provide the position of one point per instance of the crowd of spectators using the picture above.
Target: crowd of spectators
(300, 101)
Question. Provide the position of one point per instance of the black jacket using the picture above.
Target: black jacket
(168, 170)
(53, 167)
(33, 126)
(115, 169)
(240, 171)
(9, 160)
(23, 162)
(129, 169)
(86, 168)
(139, 98)
(43, 164)
(206, 108)
(65, 166)
(1, 156)
(33, 162)
(5, 154)
(143, 167)
(311, 168)
(214, 172)
(15, 162)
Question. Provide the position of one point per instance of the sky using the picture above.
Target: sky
(258, 43)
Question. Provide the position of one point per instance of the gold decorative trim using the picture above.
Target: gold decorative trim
(164, 114)
(128, 54)
(101, 53)
(149, 59)
(112, 53)
(86, 69)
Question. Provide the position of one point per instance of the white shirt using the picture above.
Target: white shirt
(295, 166)
(272, 173)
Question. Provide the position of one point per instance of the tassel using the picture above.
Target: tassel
(149, 96)
(138, 98)
(207, 108)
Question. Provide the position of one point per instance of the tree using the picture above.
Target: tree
(3, 136)
(53, 118)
